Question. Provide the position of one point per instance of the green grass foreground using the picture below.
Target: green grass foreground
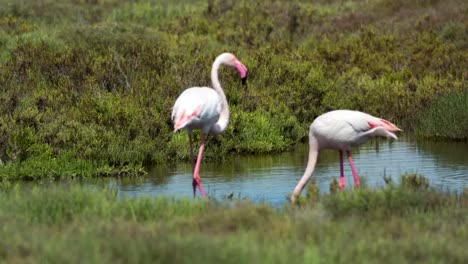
(406, 223)
(88, 86)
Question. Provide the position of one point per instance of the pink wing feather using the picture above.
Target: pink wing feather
(181, 119)
(384, 123)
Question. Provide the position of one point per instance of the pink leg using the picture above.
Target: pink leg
(342, 178)
(196, 171)
(192, 159)
(353, 169)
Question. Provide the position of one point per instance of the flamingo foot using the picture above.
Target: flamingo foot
(342, 183)
(356, 182)
(194, 185)
(197, 182)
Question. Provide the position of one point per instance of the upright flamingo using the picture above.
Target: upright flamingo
(206, 109)
(342, 129)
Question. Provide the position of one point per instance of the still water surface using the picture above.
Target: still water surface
(270, 178)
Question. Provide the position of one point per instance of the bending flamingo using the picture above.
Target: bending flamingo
(342, 129)
(206, 109)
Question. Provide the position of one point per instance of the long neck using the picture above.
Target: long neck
(223, 120)
(313, 153)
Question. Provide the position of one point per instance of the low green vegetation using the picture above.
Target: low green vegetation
(87, 87)
(66, 222)
(446, 118)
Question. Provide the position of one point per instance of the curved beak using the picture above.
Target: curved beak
(242, 70)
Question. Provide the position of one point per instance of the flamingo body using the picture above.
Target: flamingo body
(197, 108)
(206, 109)
(341, 130)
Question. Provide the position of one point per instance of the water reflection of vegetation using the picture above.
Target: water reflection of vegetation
(446, 153)
(407, 149)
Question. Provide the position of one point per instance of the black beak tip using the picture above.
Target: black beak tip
(244, 80)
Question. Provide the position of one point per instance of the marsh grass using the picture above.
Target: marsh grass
(74, 223)
(446, 118)
(62, 168)
(93, 82)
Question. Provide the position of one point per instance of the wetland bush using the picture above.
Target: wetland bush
(446, 118)
(94, 81)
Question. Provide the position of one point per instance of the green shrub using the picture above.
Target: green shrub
(446, 118)
(96, 80)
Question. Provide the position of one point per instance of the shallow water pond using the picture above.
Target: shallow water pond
(271, 178)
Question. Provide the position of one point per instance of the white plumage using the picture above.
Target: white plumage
(340, 130)
(202, 107)
(206, 109)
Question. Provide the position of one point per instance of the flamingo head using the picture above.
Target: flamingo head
(231, 60)
(242, 70)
